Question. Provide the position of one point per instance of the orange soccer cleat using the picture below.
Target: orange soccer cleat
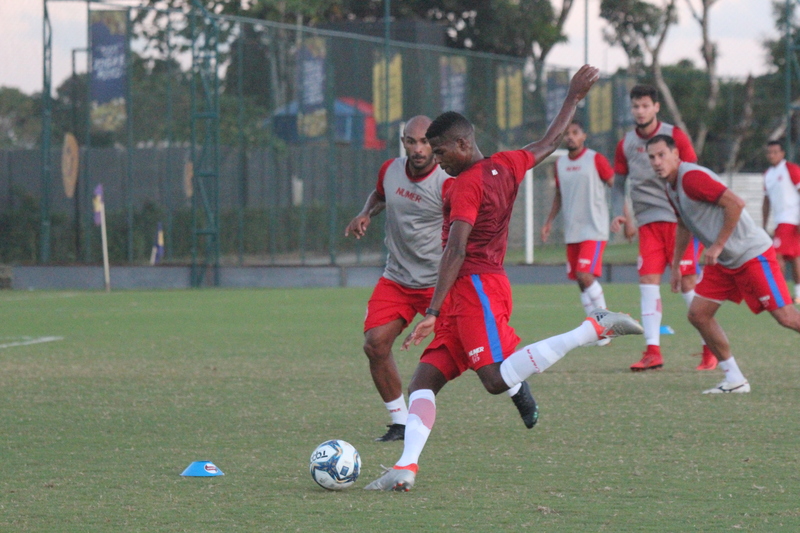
(651, 360)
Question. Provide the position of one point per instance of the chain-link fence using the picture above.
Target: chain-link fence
(306, 116)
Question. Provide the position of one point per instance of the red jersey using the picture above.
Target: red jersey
(483, 196)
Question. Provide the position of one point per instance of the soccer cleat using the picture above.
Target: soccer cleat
(609, 324)
(709, 361)
(649, 361)
(725, 387)
(526, 405)
(395, 432)
(396, 479)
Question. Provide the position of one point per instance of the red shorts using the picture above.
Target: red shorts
(657, 246)
(586, 256)
(759, 282)
(787, 240)
(475, 332)
(390, 301)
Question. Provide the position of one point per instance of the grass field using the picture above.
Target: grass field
(98, 426)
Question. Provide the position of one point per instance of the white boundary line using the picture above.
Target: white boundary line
(38, 340)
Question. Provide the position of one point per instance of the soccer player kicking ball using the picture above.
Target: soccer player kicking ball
(410, 189)
(739, 257)
(472, 331)
(582, 179)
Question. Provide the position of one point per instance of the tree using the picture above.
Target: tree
(640, 28)
(708, 49)
(20, 119)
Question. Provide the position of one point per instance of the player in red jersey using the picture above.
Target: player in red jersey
(474, 331)
(740, 260)
(655, 219)
(782, 194)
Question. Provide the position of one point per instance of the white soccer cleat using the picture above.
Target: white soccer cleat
(609, 324)
(397, 479)
(725, 387)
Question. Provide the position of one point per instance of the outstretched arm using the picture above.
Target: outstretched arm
(579, 86)
(358, 226)
(548, 225)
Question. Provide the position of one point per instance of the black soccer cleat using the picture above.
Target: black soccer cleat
(526, 405)
(395, 432)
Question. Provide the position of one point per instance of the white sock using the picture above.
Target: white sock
(688, 297)
(595, 292)
(732, 372)
(421, 416)
(586, 302)
(538, 357)
(513, 390)
(651, 314)
(397, 410)
(797, 290)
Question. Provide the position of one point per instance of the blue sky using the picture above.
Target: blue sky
(738, 26)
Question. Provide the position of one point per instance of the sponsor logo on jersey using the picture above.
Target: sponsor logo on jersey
(573, 168)
(641, 149)
(474, 355)
(414, 197)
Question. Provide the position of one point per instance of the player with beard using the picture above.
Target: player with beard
(656, 221)
(410, 189)
(582, 178)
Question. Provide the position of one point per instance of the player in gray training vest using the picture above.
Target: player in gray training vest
(411, 190)
(583, 177)
(655, 219)
(740, 260)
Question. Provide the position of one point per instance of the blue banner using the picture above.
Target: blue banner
(108, 32)
(312, 115)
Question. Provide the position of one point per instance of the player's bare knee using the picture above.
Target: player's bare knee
(376, 351)
(788, 317)
(494, 384)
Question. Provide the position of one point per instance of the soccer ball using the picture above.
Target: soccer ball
(335, 465)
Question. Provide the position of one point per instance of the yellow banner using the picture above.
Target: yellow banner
(600, 107)
(509, 97)
(395, 88)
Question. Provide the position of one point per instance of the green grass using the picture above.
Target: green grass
(97, 427)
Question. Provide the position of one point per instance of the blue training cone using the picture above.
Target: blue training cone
(667, 330)
(202, 469)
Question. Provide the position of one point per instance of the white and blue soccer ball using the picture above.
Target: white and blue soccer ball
(335, 465)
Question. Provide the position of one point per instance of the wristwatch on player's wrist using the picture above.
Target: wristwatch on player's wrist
(431, 311)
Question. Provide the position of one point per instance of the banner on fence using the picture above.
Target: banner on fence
(108, 33)
(395, 88)
(509, 97)
(557, 88)
(453, 83)
(601, 105)
(312, 116)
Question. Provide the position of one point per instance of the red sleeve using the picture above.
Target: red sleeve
(519, 161)
(465, 197)
(684, 145)
(620, 161)
(701, 187)
(794, 173)
(447, 185)
(381, 174)
(603, 167)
